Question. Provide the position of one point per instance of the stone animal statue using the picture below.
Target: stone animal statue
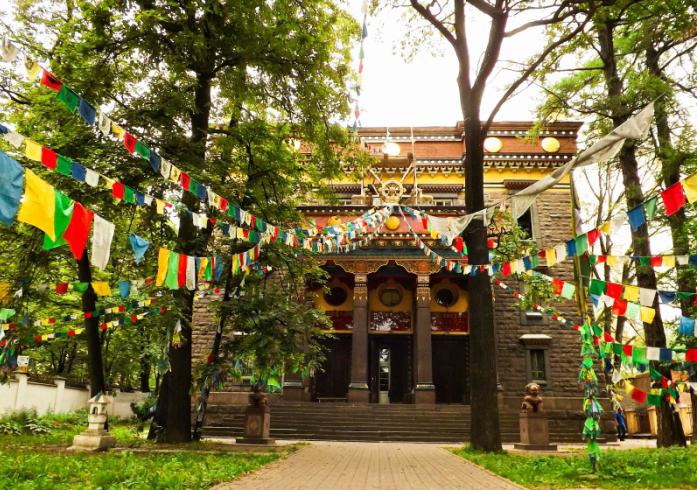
(532, 402)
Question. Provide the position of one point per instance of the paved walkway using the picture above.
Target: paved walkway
(384, 466)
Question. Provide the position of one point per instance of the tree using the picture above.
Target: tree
(448, 18)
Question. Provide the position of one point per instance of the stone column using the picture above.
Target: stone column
(294, 387)
(425, 391)
(358, 388)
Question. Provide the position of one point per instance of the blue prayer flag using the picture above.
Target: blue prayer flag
(571, 247)
(78, 172)
(3, 129)
(687, 326)
(218, 268)
(140, 198)
(155, 161)
(139, 246)
(636, 217)
(88, 113)
(11, 188)
(527, 263)
(125, 288)
(666, 355)
(667, 296)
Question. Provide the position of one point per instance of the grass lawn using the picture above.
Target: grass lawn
(619, 469)
(40, 461)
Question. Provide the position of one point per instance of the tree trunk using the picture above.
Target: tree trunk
(485, 431)
(95, 365)
(178, 410)
(669, 430)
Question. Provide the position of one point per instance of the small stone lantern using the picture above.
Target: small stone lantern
(96, 437)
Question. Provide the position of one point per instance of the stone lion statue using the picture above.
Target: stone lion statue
(532, 402)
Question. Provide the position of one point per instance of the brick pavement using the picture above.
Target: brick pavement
(384, 466)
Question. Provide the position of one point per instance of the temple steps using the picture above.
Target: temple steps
(373, 422)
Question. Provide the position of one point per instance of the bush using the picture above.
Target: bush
(10, 428)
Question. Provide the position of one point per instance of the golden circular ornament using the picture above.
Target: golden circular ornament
(493, 145)
(392, 223)
(551, 145)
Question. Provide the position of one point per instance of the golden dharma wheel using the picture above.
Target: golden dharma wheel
(493, 145)
(392, 223)
(551, 145)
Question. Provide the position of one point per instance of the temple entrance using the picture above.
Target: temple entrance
(451, 368)
(390, 369)
(333, 380)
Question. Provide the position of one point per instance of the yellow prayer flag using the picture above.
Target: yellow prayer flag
(118, 130)
(631, 293)
(101, 288)
(689, 185)
(551, 256)
(611, 260)
(202, 267)
(4, 292)
(38, 207)
(160, 204)
(606, 228)
(162, 265)
(647, 314)
(668, 261)
(32, 68)
(628, 388)
(174, 174)
(32, 150)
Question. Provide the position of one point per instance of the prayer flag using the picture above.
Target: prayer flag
(87, 112)
(78, 172)
(38, 208)
(91, 178)
(64, 166)
(32, 150)
(613, 290)
(571, 247)
(50, 81)
(11, 188)
(650, 208)
(666, 355)
(638, 395)
(691, 355)
(125, 288)
(155, 161)
(673, 198)
(190, 273)
(636, 217)
(49, 158)
(62, 213)
(633, 310)
(687, 326)
(165, 168)
(129, 141)
(647, 314)
(69, 98)
(597, 287)
(102, 236)
(581, 244)
(172, 281)
(653, 353)
(139, 245)
(101, 288)
(162, 266)
(689, 185)
(551, 256)
(32, 68)
(639, 355)
(181, 270)
(668, 261)
(104, 123)
(631, 293)
(117, 190)
(79, 229)
(184, 180)
(647, 296)
(619, 308)
(142, 150)
(568, 290)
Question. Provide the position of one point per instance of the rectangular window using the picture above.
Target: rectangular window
(537, 365)
(525, 222)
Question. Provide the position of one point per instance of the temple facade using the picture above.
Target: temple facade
(400, 321)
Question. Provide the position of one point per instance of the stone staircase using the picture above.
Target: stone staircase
(373, 422)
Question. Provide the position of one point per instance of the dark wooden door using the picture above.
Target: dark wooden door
(451, 368)
(399, 347)
(333, 380)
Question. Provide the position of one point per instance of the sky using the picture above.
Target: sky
(423, 91)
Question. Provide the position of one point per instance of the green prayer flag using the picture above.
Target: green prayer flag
(650, 208)
(208, 274)
(81, 287)
(655, 375)
(639, 355)
(644, 261)
(142, 150)
(129, 194)
(172, 279)
(654, 400)
(568, 290)
(581, 244)
(6, 313)
(64, 165)
(633, 310)
(535, 262)
(617, 349)
(69, 98)
(597, 287)
(63, 207)
(597, 330)
(588, 362)
(685, 295)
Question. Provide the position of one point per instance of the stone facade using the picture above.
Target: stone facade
(399, 338)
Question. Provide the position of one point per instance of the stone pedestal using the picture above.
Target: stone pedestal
(98, 440)
(257, 425)
(534, 432)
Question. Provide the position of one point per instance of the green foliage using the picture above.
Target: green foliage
(618, 470)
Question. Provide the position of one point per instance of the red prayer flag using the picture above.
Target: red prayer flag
(49, 158)
(557, 286)
(639, 396)
(134, 318)
(691, 355)
(627, 349)
(185, 180)
(71, 333)
(51, 81)
(223, 204)
(104, 326)
(506, 270)
(619, 308)
(673, 198)
(424, 223)
(608, 337)
(61, 287)
(601, 258)
(613, 290)
(129, 141)
(117, 189)
(181, 272)
(122, 308)
(78, 229)
(657, 261)
(592, 236)
(458, 244)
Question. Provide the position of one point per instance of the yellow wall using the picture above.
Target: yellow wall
(321, 303)
(375, 304)
(460, 306)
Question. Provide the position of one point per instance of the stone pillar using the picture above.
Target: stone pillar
(294, 388)
(425, 391)
(358, 388)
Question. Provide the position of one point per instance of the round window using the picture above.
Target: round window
(446, 297)
(391, 296)
(335, 296)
